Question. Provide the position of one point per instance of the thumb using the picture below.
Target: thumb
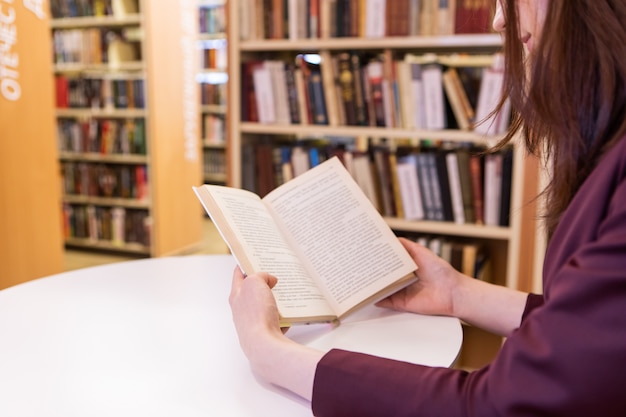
(270, 280)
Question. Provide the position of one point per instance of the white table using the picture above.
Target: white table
(154, 338)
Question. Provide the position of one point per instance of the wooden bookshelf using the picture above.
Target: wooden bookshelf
(509, 256)
(146, 80)
(32, 245)
(213, 79)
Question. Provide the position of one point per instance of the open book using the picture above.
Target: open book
(330, 249)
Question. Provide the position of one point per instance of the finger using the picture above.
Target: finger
(238, 277)
(238, 274)
(270, 280)
(410, 246)
(387, 302)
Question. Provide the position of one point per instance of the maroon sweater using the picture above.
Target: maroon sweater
(568, 357)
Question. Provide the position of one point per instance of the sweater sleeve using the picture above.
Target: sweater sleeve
(354, 384)
(363, 375)
(532, 302)
(566, 359)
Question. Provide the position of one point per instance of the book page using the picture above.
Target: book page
(341, 236)
(259, 246)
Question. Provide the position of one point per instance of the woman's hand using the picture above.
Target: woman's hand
(254, 309)
(442, 290)
(272, 355)
(434, 292)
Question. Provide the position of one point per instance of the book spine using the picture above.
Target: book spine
(328, 83)
(264, 94)
(476, 174)
(409, 188)
(377, 92)
(375, 22)
(346, 82)
(395, 186)
(444, 184)
(433, 97)
(426, 187)
(381, 159)
(455, 188)
(492, 188)
(359, 95)
(292, 94)
(505, 195)
(316, 94)
(465, 177)
(456, 99)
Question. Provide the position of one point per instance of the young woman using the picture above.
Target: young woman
(565, 352)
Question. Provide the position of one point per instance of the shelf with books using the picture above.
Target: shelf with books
(213, 77)
(123, 68)
(214, 108)
(478, 231)
(215, 145)
(393, 94)
(434, 43)
(130, 248)
(100, 157)
(96, 21)
(215, 178)
(376, 132)
(424, 91)
(100, 113)
(111, 202)
(464, 203)
(113, 62)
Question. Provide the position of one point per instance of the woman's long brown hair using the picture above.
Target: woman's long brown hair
(569, 99)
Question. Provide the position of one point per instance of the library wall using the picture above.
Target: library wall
(31, 243)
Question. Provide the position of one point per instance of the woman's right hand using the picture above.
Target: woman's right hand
(433, 293)
(442, 290)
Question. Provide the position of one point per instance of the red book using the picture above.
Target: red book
(473, 16)
(62, 101)
(476, 174)
(249, 110)
(314, 19)
(141, 182)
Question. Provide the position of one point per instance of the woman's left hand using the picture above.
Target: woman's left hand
(272, 355)
(254, 309)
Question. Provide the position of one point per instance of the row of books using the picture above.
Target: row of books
(214, 58)
(302, 19)
(103, 136)
(446, 184)
(214, 162)
(213, 129)
(105, 180)
(93, 46)
(452, 183)
(212, 19)
(96, 8)
(213, 94)
(99, 93)
(352, 88)
(117, 226)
